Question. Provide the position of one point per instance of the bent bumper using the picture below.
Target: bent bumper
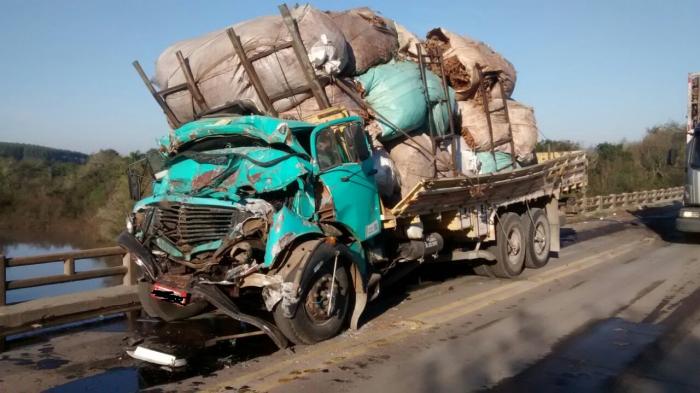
(688, 224)
(142, 257)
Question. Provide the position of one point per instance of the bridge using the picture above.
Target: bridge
(605, 270)
(41, 313)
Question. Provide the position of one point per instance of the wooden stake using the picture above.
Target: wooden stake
(303, 58)
(250, 70)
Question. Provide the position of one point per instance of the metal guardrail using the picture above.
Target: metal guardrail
(126, 270)
(606, 203)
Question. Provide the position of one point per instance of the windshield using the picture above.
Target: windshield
(694, 157)
(220, 142)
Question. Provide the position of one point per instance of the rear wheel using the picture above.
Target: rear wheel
(324, 304)
(510, 247)
(537, 232)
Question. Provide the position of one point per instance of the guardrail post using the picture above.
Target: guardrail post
(69, 266)
(130, 275)
(3, 289)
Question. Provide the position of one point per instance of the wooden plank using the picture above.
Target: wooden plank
(161, 102)
(61, 256)
(191, 83)
(303, 58)
(270, 51)
(173, 90)
(61, 278)
(290, 93)
(250, 71)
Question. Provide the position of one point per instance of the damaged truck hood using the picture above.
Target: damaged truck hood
(211, 172)
(232, 172)
(268, 129)
(267, 157)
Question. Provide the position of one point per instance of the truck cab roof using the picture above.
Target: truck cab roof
(269, 130)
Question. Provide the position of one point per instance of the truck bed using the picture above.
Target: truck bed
(553, 177)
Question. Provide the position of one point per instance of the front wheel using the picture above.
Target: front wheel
(324, 304)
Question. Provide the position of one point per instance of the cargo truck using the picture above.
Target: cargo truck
(689, 216)
(278, 224)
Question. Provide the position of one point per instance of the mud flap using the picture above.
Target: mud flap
(360, 304)
(219, 300)
(552, 211)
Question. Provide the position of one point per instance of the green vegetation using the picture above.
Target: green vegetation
(632, 166)
(53, 194)
(43, 188)
(21, 151)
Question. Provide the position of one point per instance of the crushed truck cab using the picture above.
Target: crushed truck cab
(279, 224)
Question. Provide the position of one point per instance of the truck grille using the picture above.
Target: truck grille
(185, 224)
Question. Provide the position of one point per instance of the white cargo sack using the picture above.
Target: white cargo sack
(461, 55)
(523, 125)
(466, 159)
(387, 176)
(220, 76)
(407, 41)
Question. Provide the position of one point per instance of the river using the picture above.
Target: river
(19, 244)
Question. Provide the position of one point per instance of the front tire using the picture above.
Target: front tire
(312, 321)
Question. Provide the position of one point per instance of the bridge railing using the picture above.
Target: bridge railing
(606, 203)
(126, 270)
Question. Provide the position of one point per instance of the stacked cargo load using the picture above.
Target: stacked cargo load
(436, 107)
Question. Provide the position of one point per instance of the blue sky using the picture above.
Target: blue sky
(594, 70)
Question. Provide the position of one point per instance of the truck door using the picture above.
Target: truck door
(344, 163)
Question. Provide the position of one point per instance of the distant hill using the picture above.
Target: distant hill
(21, 151)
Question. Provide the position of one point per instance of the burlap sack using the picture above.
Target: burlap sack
(220, 76)
(414, 165)
(523, 125)
(461, 55)
(372, 38)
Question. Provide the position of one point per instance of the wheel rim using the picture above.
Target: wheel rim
(319, 297)
(514, 246)
(539, 239)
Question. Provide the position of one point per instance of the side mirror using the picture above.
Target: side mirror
(672, 157)
(134, 179)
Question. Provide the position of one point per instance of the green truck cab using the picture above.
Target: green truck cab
(279, 224)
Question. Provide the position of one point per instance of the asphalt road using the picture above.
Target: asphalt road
(617, 311)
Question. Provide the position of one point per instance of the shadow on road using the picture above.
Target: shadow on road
(662, 221)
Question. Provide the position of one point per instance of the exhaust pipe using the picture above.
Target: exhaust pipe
(417, 249)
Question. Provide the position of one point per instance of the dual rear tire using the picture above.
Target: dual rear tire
(521, 241)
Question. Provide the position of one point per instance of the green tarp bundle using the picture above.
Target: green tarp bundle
(395, 90)
(489, 165)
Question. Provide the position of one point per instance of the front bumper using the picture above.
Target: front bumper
(688, 219)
